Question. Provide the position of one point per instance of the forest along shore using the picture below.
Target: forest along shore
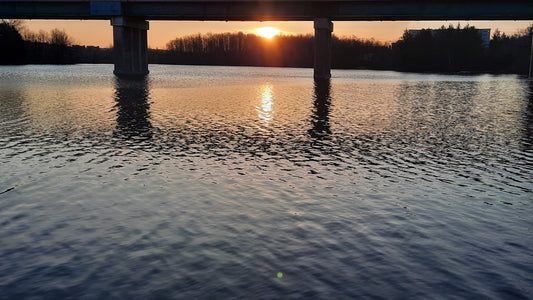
(445, 50)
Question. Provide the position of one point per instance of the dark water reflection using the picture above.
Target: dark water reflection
(133, 108)
(321, 103)
(206, 182)
(528, 121)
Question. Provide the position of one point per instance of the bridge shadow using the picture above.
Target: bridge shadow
(322, 102)
(133, 109)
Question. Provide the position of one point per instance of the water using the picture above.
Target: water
(206, 182)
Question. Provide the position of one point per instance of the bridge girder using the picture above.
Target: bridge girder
(270, 10)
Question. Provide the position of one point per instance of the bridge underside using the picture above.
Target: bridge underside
(129, 18)
(271, 10)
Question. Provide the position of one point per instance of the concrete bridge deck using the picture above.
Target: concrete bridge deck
(129, 17)
(271, 10)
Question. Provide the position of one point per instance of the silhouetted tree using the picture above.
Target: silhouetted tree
(11, 44)
(458, 49)
(353, 53)
(510, 54)
(60, 38)
(442, 50)
(38, 37)
(55, 47)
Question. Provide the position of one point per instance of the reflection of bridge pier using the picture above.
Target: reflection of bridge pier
(322, 102)
(133, 109)
(527, 140)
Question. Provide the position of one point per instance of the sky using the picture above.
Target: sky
(100, 33)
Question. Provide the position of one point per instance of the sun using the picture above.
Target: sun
(267, 32)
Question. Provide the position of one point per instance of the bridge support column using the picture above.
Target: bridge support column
(323, 30)
(130, 45)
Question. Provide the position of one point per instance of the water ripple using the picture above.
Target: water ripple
(371, 185)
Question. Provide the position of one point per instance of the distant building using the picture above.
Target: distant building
(484, 33)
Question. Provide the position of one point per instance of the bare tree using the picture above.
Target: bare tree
(18, 24)
(38, 37)
(59, 37)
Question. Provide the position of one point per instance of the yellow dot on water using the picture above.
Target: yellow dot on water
(280, 275)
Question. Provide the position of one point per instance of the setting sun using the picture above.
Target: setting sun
(267, 32)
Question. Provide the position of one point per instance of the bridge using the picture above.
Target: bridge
(130, 18)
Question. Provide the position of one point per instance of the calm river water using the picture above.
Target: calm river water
(257, 183)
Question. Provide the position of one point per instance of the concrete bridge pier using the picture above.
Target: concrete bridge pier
(323, 30)
(130, 45)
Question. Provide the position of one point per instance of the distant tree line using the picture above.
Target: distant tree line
(55, 37)
(242, 50)
(444, 50)
(510, 53)
(281, 51)
(455, 49)
(448, 49)
(19, 45)
(356, 53)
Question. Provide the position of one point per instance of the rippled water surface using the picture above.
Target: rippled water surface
(228, 182)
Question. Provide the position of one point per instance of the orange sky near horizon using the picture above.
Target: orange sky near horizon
(100, 33)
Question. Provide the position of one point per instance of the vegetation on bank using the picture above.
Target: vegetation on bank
(19, 45)
(460, 49)
(510, 53)
(11, 45)
(444, 50)
(448, 49)
(282, 51)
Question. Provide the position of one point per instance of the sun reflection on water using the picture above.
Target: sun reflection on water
(265, 112)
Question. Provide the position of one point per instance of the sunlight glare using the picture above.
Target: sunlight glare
(267, 32)
(265, 112)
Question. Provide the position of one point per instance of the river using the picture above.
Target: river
(258, 183)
